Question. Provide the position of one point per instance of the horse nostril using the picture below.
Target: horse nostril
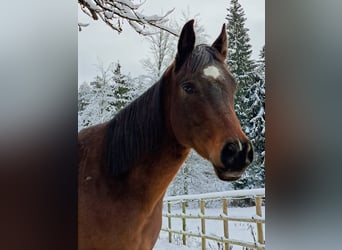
(228, 153)
(231, 149)
(237, 155)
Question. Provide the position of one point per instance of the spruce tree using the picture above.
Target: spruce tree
(100, 100)
(239, 58)
(254, 127)
(85, 95)
(239, 47)
(121, 87)
(250, 97)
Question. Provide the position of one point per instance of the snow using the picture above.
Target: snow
(259, 115)
(242, 231)
(92, 5)
(163, 244)
(214, 195)
(128, 3)
(110, 12)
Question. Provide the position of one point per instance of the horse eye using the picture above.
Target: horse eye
(188, 88)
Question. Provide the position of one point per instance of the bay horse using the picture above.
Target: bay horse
(126, 164)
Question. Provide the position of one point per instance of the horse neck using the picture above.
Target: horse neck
(163, 164)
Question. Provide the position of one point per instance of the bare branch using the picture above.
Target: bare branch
(113, 12)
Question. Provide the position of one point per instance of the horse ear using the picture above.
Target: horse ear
(221, 42)
(186, 43)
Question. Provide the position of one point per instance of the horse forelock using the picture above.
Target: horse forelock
(202, 56)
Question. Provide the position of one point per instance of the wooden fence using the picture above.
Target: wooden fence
(225, 198)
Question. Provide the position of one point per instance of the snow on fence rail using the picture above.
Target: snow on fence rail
(224, 197)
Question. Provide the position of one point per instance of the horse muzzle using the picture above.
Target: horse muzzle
(235, 158)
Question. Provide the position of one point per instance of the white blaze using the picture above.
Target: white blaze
(211, 71)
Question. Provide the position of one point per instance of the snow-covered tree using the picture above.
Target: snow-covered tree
(239, 47)
(140, 84)
(163, 45)
(260, 69)
(113, 13)
(122, 87)
(254, 126)
(102, 98)
(162, 52)
(250, 97)
(85, 97)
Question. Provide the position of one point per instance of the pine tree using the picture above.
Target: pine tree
(254, 127)
(239, 58)
(239, 47)
(261, 63)
(106, 95)
(121, 87)
(85, 94)
(250, 97)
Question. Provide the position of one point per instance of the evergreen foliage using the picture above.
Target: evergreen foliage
(121, 87)
(250, 97)
(102, 98)
(239, 47)
(253, 119)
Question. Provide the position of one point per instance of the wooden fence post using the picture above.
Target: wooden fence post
(223, 241)
(169, 220)
(202, 206)
(258, 203)
(225, 222)
(184, 222)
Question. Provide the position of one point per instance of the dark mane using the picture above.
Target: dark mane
(134, 132)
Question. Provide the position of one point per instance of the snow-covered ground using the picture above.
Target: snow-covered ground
(163, 244)
(237, 230)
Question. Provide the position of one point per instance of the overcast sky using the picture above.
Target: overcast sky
(99, 43)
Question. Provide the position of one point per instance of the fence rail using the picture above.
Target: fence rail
(225, 197)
